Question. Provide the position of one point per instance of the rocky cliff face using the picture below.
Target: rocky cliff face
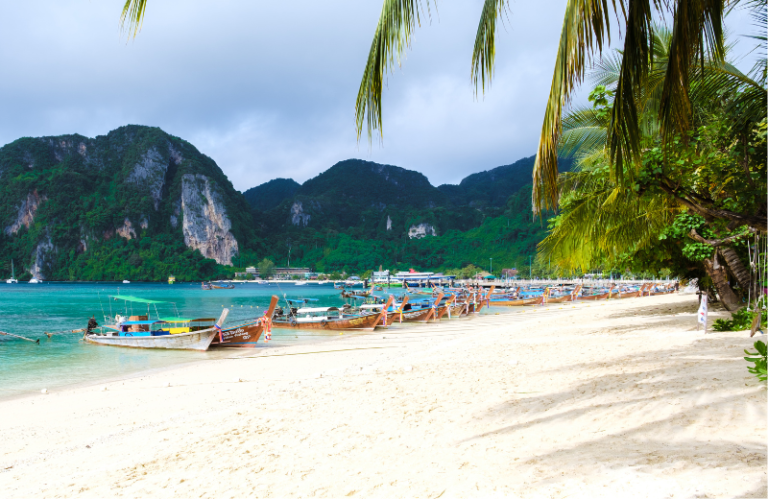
(417, 231)
(61, 196)
(26, 213)
(205, 224)
(298, 217)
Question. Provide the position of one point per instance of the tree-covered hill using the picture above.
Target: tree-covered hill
(270, 194)
(493, 187)
(141, 204)
(73, 207)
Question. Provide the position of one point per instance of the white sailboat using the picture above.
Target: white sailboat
(13, 279)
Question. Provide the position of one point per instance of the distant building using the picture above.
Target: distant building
(509, 273)
(289, 272)
(249, 271)
(382, 276)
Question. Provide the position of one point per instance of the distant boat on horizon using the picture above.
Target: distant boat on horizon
(34, 281)
(126, 281)
(13, 279)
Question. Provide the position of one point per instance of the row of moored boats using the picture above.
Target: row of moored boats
(417, 306)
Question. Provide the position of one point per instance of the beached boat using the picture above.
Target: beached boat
(329, 318)
(571, 296)
(633, 294)
(246, 334)
(599, 296)
(153, 334)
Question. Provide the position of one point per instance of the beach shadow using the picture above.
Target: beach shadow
(678, 400)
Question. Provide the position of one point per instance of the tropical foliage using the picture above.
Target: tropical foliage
(693, 199)
(760, 360)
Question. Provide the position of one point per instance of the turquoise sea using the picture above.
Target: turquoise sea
(31, 309)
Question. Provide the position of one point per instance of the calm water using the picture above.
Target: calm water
(30, 309)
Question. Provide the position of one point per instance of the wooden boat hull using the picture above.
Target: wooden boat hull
(420, 315)
(197, 340)
(245, 335)
(559, 299)
(365, 322)
(517, 303)
(595, 297)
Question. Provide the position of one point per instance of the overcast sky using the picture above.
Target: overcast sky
(267, 89)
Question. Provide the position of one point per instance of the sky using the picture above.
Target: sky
(267, 89)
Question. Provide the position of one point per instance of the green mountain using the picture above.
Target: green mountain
(141, 204)
(367, 200)
(358, 215)
(269, 194)
(135, 203)
(492, 188)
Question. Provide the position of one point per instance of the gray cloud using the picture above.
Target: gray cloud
(267, 89)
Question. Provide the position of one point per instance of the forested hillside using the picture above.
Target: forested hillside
(136, 203)
(140, 204)
(269, 194)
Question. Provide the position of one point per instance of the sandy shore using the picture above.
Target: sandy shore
(621, 399)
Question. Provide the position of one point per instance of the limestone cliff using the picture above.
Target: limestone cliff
(417, 231)
(26, 212)
(205, 223)
(137, 187)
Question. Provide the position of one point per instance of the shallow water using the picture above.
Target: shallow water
(31, 309)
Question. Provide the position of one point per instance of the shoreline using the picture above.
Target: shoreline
(613, 399)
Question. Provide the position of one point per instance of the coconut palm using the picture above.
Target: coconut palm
(711, 174)
(697, 32)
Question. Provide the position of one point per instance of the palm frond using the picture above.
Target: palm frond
(397, 22)
(697, 34)
(584, 130)
(484, 52)
(585, 29)
(132, 17)
(624, 131)
(606, 71)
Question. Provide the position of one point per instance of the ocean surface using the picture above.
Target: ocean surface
(30, 310)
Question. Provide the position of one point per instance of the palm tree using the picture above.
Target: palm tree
(697, 32)
(603, 220)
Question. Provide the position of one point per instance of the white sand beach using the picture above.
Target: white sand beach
(608, 399)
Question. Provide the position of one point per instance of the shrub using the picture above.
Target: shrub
(760, 359)
(739, 321)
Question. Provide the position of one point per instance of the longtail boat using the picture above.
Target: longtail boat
(484, 300)
(247, 334)
(633, 294)
(153, 334)
(222, 286)
(601, 296)
(560, 299)
(330, 318)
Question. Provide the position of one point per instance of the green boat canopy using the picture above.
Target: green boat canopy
(135, 299)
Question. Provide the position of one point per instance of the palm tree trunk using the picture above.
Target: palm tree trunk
(719, 277)
(736, 267)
